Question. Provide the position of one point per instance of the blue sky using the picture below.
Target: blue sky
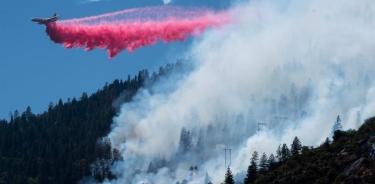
(34, 71)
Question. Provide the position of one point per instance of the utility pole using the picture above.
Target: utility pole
(230, 157)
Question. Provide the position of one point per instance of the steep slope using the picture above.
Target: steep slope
(348, 159)
(62, 144)
(58, 145)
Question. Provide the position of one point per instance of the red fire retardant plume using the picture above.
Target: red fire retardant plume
(134, 28)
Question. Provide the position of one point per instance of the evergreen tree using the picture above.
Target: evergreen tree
(326, 143)
(50, 106)
(252, 169)
(11, 117)
(263, 163)
(296, 146)
(285, 153)
(185, 140)
(16, 114)
(229, 177)
(278, 153)
(337, 125)
(271, 162)
(201, 141)
(255, 157)
(28, 112)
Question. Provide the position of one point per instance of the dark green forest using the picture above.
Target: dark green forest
(348, 158)
(64, 144)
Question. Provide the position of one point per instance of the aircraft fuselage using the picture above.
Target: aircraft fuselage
(45, 21)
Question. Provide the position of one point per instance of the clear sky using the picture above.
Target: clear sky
(35, 71)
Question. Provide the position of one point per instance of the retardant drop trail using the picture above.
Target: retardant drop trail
(134, 28)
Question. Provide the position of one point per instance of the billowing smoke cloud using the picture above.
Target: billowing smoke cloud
(134, 28)
(293, 65)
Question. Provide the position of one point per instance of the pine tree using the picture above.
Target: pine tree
(271, 162)
(11, 117)
(252, 169)
(50, 106)
(16, 114)
(185, 140)
(296, 146)
(278, 153)
(27, 115)
(337, 125)
(263, 164)
(326, 143)
(255, 157)
(229, 177)
(285, 153)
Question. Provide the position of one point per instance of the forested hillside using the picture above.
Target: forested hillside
(348, 158)
(64, 143)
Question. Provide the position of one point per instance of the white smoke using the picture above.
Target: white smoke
(167, 1)
(293, 65)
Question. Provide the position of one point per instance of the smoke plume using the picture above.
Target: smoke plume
(291, 65)
(133, 28)
(167, 1)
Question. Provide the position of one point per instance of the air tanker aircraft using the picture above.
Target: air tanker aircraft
(46, 21)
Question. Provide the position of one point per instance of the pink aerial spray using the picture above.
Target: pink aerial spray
(134, 28)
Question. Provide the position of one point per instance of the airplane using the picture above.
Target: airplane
(46, 21)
